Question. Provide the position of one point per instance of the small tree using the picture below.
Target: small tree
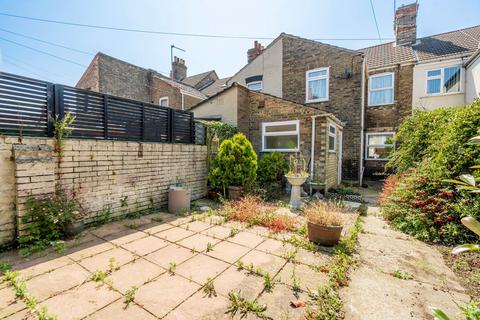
(272, 168)
(234, 165)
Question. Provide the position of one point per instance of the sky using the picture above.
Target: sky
(313, 19)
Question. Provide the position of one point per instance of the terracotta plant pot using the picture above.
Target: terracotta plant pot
(234, 193)
(178, 200)
(324, 235)
(72, 229)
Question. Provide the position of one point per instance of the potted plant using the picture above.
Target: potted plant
(234, 167)
(324, 222)
(296, 176)
(178, 198)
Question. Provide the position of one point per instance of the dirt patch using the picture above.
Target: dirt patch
(467, 268)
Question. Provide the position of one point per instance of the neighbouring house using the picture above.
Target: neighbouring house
(207, 82)
(472, 78)
(275, 124)
(316, 76)
(413, 73)
(113, 76)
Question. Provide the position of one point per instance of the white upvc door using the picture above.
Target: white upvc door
(340, 156)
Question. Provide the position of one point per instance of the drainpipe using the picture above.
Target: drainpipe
(362, 121)
(312, 156)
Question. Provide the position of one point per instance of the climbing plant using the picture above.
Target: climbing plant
(61, 130)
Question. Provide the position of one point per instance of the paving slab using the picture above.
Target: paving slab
(170, 254)
(275, 247)
(278, 303)
(165, 293)
(125, 237)
(81, 301)
(179, 220)
(146, 245)
(313, 258)
(267, 262)
(135, 274)
(200, 268)
(219, 232)
(102, 260)
(89, 249)
(32, 268)
(308, 278)
(228, 251)
(196, 226)
(198, 241)
(247, 239)
(119, 311)
(156, 228)
(108, 229)
(234, 279)
(61, 279)
(200, 306)
(174, 234)
(9, 304)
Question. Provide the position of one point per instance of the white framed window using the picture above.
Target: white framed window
(163, 101)
(380, 89)
(332, 138)
(281, 136)
(255, 85)
(443, 80)
(317, 81)
(379, 145)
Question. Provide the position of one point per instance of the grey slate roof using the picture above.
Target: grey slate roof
(215, 87)
(195, 79)
(458, 43)
(185, 88)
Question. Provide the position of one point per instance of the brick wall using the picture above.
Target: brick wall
(387, 118)
(162, 89)
(107, 176)
(300, 55)
(90, 79)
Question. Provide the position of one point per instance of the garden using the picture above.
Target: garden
(252, 250)
(433, 192)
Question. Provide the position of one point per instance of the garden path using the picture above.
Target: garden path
(398, 277)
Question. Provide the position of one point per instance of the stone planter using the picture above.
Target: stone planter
(178, 200)
(324, 235)
(234, 193)
(296, 182)
(72, 229)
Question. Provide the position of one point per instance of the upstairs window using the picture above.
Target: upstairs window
(332, 138)
(163, 101)
(443, 80)
(379, 145)
(317, 85)
(281, 136)
(255, 85)
(380, 88)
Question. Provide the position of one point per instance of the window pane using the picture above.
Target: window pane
(379, 152)
(381, 82)
(433, 86)
(255, 86)
(434, 73)
(280, 128)
(331, 143)
(281, 142)
(452, 79)
(381, 96)
(164, 102)
(333, 129)
(318, 73)
(317, 89)
(378, 138)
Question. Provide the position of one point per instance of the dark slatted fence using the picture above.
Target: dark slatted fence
(28, 107)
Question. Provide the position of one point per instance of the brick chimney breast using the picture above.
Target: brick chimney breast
(179, 69)
(255, 51)
(405, 26)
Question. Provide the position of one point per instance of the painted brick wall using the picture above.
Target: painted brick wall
(107, 176)
(300, 55)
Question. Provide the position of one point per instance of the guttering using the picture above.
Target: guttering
(312, 155)
(362, 122)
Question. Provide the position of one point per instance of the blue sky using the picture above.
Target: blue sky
(311, 19)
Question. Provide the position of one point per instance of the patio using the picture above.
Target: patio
(163, 263)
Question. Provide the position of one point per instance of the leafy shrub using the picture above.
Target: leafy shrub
(272, 168)
(46, 217)
(234, 165)
(344, 191)
(428, 208)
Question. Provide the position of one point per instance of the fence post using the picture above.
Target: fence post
(192, 129)
(171, 128)
(143, 122)
(50, 108)
(105, 116)
(59, 106)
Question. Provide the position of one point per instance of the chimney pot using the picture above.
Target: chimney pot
(255, 51)
(179, 69)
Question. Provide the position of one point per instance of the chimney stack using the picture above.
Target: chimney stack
(179, 69)
(255, 51)
(405, 25)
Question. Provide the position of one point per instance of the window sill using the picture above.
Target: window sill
(372, 159)
(442, 94)
(316, 101)
(281, 150)
(381, 105)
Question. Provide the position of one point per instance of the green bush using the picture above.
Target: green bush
(234, 165)
(46, 217)
(438, 139)
(272, 168)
